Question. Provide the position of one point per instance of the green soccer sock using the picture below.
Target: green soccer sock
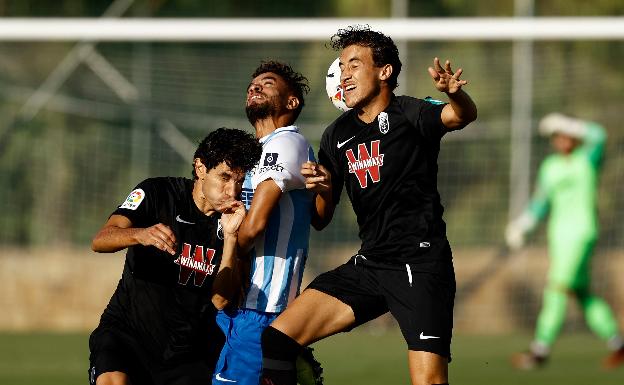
(599, 316)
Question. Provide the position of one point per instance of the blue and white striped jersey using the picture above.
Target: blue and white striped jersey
(280, 253)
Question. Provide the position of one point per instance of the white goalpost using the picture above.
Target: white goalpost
(284, 29)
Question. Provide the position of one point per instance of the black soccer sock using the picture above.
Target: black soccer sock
(279, 354)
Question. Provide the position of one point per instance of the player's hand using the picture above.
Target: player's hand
(160, 236)
(232, 218)
(317, 177)
(514, 236)
(444, 79)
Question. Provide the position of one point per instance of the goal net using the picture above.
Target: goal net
(81, 122)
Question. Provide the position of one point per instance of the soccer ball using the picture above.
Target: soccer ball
(333, 87)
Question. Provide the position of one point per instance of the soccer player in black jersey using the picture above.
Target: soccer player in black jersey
(384, 152)
(159, 326)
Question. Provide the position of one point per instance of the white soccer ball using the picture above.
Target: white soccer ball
(333, 87)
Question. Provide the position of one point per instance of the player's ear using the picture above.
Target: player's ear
(292, 103)
(200, 168)
(385, 72)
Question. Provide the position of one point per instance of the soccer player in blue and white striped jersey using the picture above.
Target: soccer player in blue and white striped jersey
(276, 230)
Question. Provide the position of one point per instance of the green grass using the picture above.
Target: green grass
(366, 359)
(356, 358)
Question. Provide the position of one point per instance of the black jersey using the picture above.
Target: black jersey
(164, 301)
(389, 169)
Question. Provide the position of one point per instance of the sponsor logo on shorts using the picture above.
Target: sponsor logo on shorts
(218, 377)
(424, 337)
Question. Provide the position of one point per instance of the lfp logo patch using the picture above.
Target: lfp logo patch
(133, 200)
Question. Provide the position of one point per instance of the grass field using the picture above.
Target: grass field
(356, 358)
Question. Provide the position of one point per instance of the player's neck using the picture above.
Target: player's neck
(375, 105)
(266, 126)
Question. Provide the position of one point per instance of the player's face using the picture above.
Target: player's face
(266, 96)
(221, 185)
(564, 144)
(359, 75)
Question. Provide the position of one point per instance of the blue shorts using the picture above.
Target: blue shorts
(241, 357)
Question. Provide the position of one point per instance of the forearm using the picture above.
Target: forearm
(323, 210)
(112, 238)
(460, 111)
(249, 230)
(227, 280)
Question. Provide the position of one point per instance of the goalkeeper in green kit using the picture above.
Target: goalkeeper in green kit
(567, 187)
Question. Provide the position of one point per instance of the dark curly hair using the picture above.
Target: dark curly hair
(238, 149)
(384, 49)
(296, 82)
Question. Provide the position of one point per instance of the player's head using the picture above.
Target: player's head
(237, 148)
(369, 60)
(565, 132)
(220, 163)
(275, 90)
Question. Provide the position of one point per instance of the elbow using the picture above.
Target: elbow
(219, 302)
(472, 116)
(319, 224)
(96, 245)
(253, 231)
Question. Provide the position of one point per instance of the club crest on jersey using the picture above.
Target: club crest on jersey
(366, 163)
(220, 230)
(384, 123)
(198, 263)
(270, 159)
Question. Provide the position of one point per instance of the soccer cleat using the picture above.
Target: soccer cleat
(615, 359)
(527, 361)
(309, 370)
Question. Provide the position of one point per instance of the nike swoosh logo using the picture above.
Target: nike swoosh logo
(340, 144)
(183, 221)
(424, 337)
(219, 378)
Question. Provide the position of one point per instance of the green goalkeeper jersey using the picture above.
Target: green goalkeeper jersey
(567, 187)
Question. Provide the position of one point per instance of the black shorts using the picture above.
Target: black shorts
(113, 350)
(420, 301)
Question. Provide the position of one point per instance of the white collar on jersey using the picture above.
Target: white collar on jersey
(291, 128)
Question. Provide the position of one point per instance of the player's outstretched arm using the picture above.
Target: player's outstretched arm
(318, 180)
(118, 233)
(461, 110)
(228, 279)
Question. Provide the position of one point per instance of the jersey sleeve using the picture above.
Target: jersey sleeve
(327, 157)
(539, 204)
(140, 205)
(594, 140)
(281, 161)
(425, 115)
